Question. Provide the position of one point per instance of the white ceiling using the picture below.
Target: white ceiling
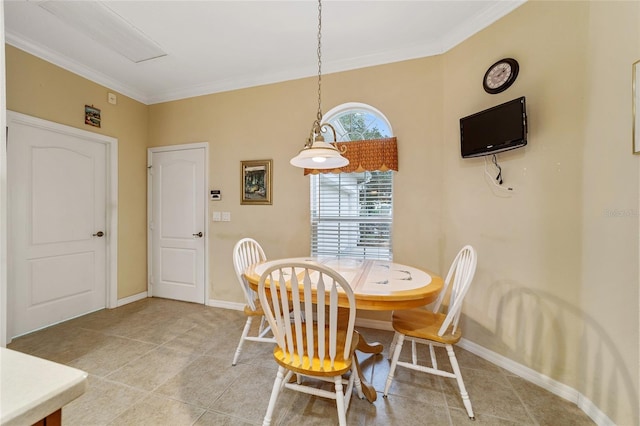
(215, 46)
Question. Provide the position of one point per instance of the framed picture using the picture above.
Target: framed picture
(635, 85)
(256, 181)
(91, 116)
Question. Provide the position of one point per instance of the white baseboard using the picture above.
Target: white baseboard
(131, 299)
(211, 302)
(376, 324)
(547, 383)
(226, 305)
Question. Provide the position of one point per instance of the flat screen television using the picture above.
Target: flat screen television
(494, 130)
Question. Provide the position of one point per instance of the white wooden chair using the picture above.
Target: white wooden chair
(436, 328)
(246, 252)
(314, 339)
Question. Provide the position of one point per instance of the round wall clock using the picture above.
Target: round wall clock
(500, 75)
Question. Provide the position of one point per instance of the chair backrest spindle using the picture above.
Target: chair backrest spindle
(456, 285)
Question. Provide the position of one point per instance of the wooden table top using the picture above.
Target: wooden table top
(378, 285)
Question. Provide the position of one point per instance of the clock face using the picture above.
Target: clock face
(500, 75)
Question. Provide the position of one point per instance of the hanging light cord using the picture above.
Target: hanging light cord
(318, 126)
(319, 116)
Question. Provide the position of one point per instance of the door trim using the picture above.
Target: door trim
(183, 147)
(3, 188)
(111, 145)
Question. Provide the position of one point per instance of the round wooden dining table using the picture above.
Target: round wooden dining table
(378, 285)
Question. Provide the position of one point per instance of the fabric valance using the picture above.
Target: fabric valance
(367, 155)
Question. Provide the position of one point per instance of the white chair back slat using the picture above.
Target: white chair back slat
(297, 317)
(320, 314)
(308, 313)
(456, 285)
(278, 319)
(333, 321)
(247, 252)
(306, 282)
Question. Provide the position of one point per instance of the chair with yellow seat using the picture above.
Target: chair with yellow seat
(438, 327)
(247, 252)
(314, 339)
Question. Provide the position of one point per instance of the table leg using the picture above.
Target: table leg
(370, 348)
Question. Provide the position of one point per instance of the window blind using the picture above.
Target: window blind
(352, 214)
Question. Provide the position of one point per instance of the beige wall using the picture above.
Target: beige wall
(272, 122)
(557, 284)
(42, 90)
(609, 294)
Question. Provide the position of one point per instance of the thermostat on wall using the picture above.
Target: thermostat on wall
(215, 195)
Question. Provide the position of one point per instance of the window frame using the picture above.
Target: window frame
(345, 239)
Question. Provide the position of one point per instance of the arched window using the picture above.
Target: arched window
(352, 213)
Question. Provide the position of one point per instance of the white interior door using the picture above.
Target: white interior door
(177, 222)
(57, 191)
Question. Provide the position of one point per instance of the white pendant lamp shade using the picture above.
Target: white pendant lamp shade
(320, 155)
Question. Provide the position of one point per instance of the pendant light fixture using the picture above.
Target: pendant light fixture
(318, 154)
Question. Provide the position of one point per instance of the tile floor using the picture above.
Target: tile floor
(163, 362)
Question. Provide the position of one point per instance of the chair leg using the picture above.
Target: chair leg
(277, 386)
(287, 379)
(434, 361)
(393, 345)
(245, 332)
(342, 413)
(463, 391)
(262, 321)
(348, 392)
(394, 362)
(356, 378)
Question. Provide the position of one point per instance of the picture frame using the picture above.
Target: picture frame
(256, 181)
(92, 116)
(635, 108)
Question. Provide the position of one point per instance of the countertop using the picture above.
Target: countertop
(31, 388)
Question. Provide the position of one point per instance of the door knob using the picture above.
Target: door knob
(98, 234)
(199, 234)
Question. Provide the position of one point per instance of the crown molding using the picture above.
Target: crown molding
(479, 22)
(70, 65)
(456, 36)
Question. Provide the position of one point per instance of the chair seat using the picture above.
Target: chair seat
(424, 324)
(313, 366)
